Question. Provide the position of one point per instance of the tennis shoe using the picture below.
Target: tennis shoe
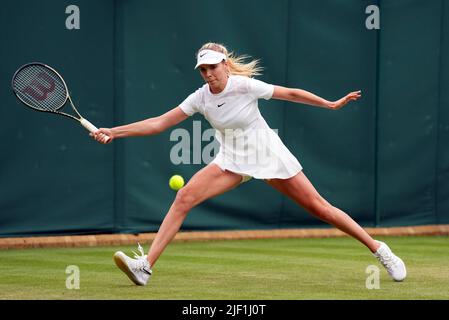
(394, 265)
(138, 270)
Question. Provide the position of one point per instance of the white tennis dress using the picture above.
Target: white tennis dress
(247, 144)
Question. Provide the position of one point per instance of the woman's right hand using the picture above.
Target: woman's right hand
(101, 135)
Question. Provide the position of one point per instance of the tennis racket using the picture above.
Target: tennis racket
(42, 88)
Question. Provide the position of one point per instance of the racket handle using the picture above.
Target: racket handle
(89, 126)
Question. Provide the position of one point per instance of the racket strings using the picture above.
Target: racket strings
(40, 87)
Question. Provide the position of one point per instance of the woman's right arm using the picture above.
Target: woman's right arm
(150, 126)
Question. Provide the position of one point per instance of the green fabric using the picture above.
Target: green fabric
(384, 159)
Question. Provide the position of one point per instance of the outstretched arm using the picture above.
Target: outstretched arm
(302, 96)
(150, 126)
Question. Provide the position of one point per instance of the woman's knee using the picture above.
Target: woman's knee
(321, 208)
(184, 200)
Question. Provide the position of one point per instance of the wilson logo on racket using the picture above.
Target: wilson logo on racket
(42, 91)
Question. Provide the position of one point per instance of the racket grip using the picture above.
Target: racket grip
(89, 126)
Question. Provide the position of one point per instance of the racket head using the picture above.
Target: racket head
(40, 87)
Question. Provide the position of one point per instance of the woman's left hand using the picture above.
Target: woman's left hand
(352, 96)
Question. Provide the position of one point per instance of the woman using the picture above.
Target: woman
(228, 101)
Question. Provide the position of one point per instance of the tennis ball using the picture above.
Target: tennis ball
(176, 182)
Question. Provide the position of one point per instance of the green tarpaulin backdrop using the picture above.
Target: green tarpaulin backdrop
(384, 159)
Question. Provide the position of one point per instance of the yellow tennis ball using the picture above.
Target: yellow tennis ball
(176, 182)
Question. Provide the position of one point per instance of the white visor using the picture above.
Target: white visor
(209, 57)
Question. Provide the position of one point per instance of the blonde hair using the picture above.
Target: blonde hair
(236, 64)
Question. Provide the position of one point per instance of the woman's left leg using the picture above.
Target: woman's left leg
(301, 190)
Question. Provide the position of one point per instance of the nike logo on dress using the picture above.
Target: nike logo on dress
(219, 105)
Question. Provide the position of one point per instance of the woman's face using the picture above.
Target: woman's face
(216, 75)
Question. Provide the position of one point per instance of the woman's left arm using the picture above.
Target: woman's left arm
(305, 97)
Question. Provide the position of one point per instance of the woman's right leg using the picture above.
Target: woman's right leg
(206, 183)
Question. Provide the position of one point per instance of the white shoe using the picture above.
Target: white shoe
(138, 269)
(394, 265)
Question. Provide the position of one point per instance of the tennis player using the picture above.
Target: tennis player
(229, 101)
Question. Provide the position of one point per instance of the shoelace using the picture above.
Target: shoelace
(140, 249)
(141, 262)
(387, 260)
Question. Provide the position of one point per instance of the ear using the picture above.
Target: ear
(226, 65)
